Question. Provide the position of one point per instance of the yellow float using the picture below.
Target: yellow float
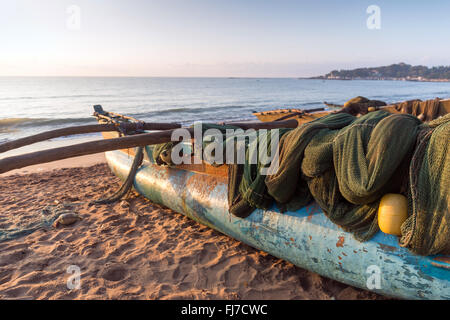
(392, 212)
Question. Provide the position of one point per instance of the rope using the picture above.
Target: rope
(51, 212)
(128, 183)
(120, 120)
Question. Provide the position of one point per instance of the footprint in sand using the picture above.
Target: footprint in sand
(13, 257)
(113, 273)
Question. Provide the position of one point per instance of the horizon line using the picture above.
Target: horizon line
(130, 76)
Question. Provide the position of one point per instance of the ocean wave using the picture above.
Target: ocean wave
(57, 97)
(11, 123)
(7, 125)
(188, 110)
(312, 103)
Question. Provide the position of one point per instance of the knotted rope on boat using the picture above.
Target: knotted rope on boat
(119, 120)
(128, 183)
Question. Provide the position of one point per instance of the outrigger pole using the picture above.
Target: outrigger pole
(103, 145)
(82, 130)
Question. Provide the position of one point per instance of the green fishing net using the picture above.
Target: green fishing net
(346, 164)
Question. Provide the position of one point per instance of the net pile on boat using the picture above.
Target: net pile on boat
(346, 164)
(349, 164)
(425, 110)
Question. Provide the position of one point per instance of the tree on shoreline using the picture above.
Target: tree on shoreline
(394, 71)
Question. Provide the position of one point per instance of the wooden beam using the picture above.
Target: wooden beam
(81, 149)
(82, 130)
(143, 139)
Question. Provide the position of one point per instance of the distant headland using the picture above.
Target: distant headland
(399, 71)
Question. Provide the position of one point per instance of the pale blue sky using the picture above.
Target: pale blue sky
(217, 38)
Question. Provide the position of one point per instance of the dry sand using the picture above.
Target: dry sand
(134, 249)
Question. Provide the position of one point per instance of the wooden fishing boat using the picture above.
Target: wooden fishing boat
(309, 115)
(304, 237)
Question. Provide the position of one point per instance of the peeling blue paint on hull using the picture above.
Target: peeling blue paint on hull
(305, 237)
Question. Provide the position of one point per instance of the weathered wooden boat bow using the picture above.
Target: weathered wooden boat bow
(305, 237)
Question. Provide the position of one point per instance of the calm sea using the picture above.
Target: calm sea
(30, 105)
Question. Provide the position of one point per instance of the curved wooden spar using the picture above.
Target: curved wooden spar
(82, 130)
(138, 140)
(81, 149)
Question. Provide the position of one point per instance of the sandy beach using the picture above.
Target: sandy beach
(133, 249)
(338, 160)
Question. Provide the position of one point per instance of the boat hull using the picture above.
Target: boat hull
(305, 237)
